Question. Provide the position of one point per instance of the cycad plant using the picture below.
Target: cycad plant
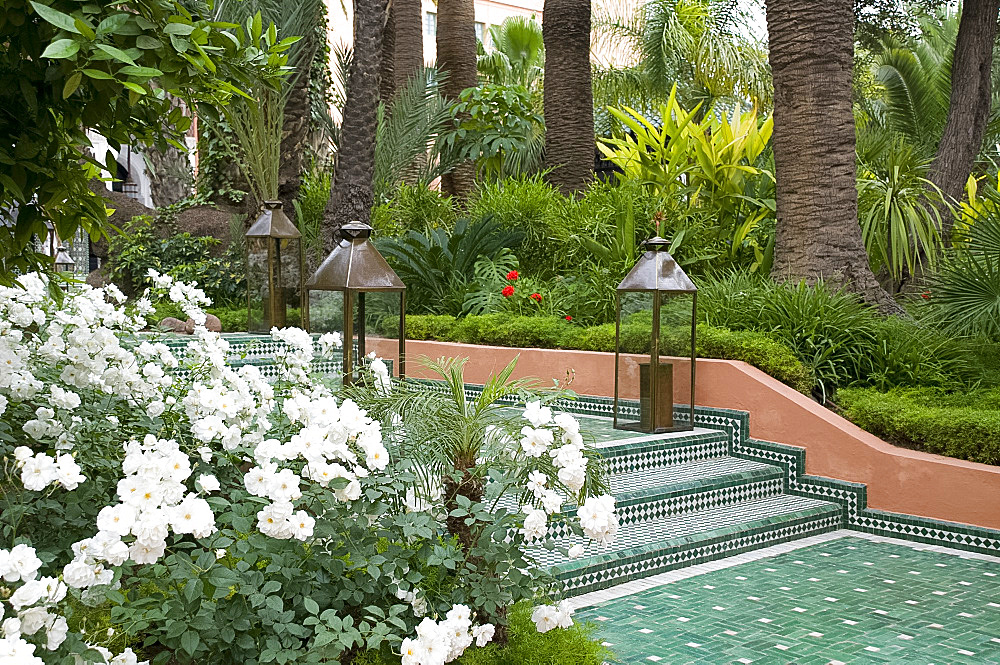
(438, 265)
(964, 297)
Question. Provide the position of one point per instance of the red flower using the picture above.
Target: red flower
(925, 294)
(568, 317)
(508, 291)
(537, 297)
(512, 276)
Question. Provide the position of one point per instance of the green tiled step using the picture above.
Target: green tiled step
(716, 471)
(635, 455)
(686, 488)
(657, 545)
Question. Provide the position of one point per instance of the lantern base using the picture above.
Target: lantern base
(638, 427)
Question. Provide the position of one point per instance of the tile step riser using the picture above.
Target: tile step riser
(620, 460)
(682, 504)
(688, 554)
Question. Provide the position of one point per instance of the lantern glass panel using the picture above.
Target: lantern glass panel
(632, 371)
(378, 330)
(326, 312)
(290, 285)
(675, 344)
(259, 296)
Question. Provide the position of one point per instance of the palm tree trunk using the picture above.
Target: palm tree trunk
(352, 194)
(409, 37)
(969, 109)
(818, 234)
(387, 77)
(456, 54)
(568, 94)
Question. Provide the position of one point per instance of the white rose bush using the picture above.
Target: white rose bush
(168, 507)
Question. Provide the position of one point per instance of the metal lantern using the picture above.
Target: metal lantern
(64, 263)
(354, 292)
(274, 269)
(652, 299)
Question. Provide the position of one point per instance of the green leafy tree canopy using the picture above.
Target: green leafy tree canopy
(124, 70)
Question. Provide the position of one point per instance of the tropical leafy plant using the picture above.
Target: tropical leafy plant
(716, 166)
(438, 265)
(898, 208)
(964, 297)
(497, 127)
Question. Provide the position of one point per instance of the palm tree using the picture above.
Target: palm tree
(818, 235)
(696, 44)
(568, 94)
(971, 98)
(456, 55)
(352, 194)
(518, 55)
(408, 41)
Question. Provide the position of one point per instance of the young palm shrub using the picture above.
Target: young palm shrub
(476, 458)
(964, 297)
(898, 207)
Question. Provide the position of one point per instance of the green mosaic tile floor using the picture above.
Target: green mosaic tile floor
(849, 600)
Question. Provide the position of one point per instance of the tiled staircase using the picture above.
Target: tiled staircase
(692, 497)
(684, 500)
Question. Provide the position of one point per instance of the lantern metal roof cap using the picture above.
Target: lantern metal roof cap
(355, 265)
(63, 257)
(273, 223)
(657, 270)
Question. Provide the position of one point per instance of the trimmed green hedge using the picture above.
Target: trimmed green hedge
(755, 348)
(962, 425)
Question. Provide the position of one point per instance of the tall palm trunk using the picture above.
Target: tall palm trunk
(818, 234)
(402, 46)
(387, 77)
(353, 194)
(969, 110)
(568, 94)
(456, 54)
(409, 50)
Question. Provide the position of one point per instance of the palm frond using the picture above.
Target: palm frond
(407, 139)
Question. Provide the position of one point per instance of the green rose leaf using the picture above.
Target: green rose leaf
(61, 48)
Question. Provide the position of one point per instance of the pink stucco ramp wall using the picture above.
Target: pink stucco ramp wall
(898, 480)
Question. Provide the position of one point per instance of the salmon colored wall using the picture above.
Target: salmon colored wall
(898, 480)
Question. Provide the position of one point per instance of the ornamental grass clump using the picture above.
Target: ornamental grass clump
(163, 506)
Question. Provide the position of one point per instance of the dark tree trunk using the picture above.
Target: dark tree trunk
(295, 136)
(969, 109)
(353, 194)
(818, 234)
(568, 94)
(170, 173)
(456, 54)
(409, 37)
(387, 76)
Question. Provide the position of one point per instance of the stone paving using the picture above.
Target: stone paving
(850, 599)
